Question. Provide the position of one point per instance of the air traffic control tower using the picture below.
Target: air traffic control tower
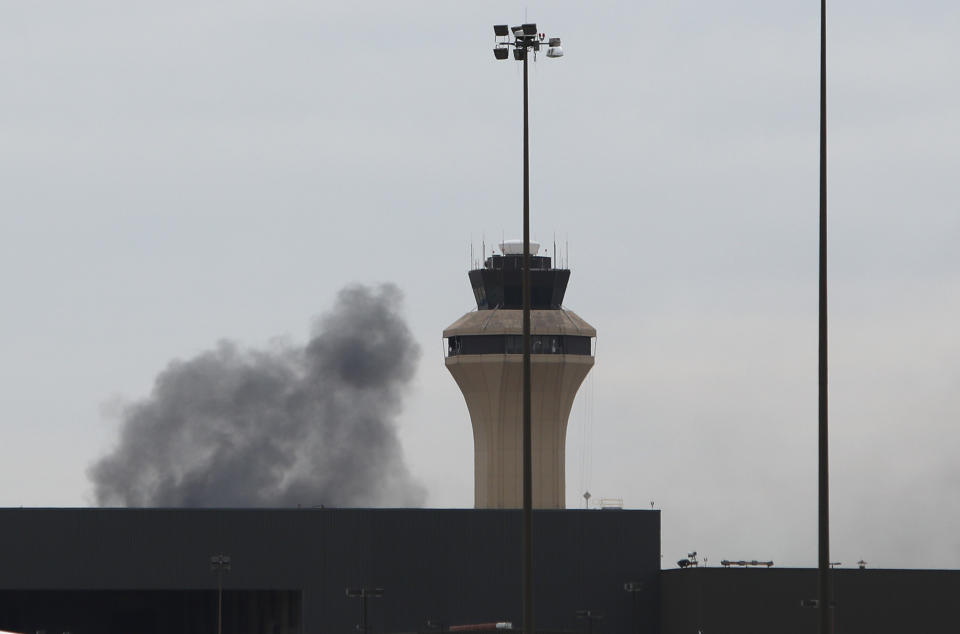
(484, 353)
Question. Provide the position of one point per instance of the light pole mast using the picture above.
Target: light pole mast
(219, 564)
(363, 593)
(528, 624)
(526, 39)
(823, 572)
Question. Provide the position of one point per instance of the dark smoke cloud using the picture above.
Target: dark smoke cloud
(280, 427)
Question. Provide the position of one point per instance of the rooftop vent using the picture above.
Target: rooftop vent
(611, 503)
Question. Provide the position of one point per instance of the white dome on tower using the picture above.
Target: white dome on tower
(515, 247)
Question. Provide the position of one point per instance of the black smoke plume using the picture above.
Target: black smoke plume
(285, 426)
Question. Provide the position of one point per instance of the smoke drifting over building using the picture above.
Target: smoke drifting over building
(284, 426)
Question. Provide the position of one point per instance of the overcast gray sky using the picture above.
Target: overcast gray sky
(176, 173)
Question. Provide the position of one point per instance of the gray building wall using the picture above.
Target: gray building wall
(456, 566)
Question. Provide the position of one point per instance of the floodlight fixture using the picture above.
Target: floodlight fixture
(219, 562)
(359, 593)
(525, 38)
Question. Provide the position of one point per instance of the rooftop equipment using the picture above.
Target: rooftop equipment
(726, 563)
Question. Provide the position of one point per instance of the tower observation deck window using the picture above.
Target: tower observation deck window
(513, 344)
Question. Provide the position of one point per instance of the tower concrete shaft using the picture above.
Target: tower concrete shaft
(484, 355)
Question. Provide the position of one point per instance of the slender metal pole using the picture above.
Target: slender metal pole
(219, 600)
(363, 611)
(528, 626)
(826, 612)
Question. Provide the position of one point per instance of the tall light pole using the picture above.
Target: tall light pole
(635, 588)
(589, 616)
(525, 39)
(363, 594)
(823, 576)
(220, 564)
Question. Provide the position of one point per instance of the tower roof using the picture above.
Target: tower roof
(501, 322)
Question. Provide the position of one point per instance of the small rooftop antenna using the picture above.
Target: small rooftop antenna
(690, 561)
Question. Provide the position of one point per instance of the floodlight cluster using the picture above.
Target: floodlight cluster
(523, 38)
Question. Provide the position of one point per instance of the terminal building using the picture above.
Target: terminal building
(147, 571)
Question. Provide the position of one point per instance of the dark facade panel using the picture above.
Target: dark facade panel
(768, 600)
(149, 611)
